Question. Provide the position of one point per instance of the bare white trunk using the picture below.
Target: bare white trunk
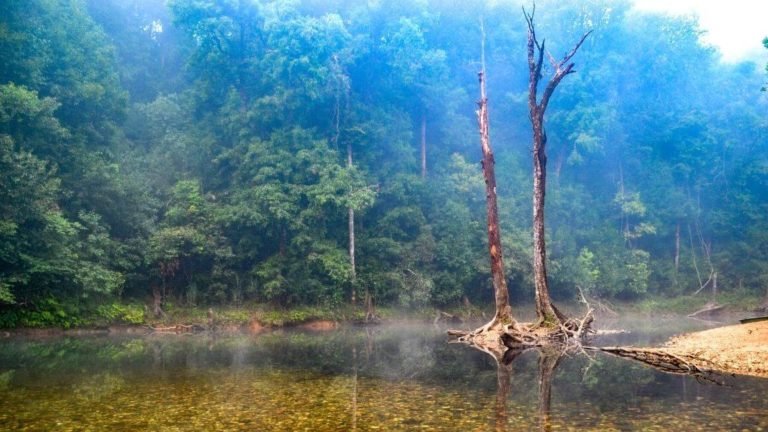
(423, 145)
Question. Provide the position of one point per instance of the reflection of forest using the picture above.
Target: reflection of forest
(397, 376)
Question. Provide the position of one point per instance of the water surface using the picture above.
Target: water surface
(400, 377)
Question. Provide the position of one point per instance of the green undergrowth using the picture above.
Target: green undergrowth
(684, 305)
(50, 313)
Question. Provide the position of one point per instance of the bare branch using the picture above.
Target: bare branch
(540, 61)
(568, 56)
(482, 45)
(553, 83)
(552, 61)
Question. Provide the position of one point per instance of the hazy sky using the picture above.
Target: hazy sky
(736, 27)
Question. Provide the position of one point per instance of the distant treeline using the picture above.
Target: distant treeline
(221, 151)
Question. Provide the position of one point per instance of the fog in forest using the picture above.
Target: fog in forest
(322, 153)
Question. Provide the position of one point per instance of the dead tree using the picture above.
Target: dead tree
(548, 315)
(503, 331)
(501, 293)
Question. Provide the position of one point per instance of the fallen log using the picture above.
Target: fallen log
(178, 328)
(665, 361)
(709, 309)
(753, 319)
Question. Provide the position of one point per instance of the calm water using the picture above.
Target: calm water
(386, 378)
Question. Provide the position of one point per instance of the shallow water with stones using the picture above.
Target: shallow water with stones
(394, 377)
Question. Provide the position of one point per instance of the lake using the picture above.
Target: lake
(393, 377)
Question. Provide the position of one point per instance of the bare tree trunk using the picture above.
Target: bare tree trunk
(501, 293)
(677, 248)
(624, 219)
(343, 88)
(693, 259)
(546, 312)
(157, 301)
(423, 144)
(351, 226)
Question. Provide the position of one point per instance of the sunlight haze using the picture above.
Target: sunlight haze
(736, 28)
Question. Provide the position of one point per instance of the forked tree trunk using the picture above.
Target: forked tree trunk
(501, 293)
(546, 312)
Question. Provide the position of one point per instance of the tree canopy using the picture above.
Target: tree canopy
(195, 146)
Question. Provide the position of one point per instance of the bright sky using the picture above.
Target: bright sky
(736, 27)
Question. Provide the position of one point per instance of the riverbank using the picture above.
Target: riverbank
(254, 318)
(130, 317)
(739, 349)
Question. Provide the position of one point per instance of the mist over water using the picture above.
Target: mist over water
(246, 160)
(387, 378)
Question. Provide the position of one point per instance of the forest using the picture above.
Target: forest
(325, 152)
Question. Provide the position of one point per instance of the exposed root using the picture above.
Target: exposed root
(497, 336)
(457, 333)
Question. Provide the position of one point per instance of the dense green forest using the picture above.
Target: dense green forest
(209, 152)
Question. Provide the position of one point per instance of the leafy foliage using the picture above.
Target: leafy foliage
(199, 149)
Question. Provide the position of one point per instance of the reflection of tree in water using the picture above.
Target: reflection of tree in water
(549, 359)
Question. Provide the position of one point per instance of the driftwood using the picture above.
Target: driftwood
(709, 309)
(754, 319)
(445, 316)
(178, 328)
(666, 361)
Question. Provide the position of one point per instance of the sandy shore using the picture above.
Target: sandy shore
(740, 349)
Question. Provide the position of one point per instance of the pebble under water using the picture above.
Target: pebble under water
(393, 378)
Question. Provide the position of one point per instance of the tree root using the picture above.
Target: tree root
(497, 337)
